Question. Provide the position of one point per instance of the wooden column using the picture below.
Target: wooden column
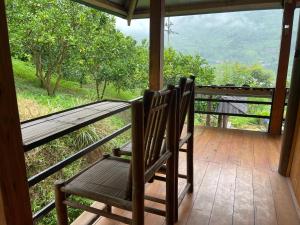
(157, 22)
(291, 115)
(14, 197)
(283, 64)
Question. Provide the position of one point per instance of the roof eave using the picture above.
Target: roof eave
(206, 8)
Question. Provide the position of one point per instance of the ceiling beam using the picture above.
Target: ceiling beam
(106, 6)
(131, 9)
(214, 7)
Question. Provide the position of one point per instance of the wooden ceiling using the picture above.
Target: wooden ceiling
(131, 9)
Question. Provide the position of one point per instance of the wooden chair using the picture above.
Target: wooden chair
(186, 109)
(120, 182)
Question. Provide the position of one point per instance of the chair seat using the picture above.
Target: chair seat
(105, 181)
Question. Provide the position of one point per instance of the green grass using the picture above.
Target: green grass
(69, 94)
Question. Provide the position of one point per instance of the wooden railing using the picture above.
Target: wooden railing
(212, 94)
(34, 137)
(41, 130)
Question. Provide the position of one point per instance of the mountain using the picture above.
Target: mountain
(247, 37)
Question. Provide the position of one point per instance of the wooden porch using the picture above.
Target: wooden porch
(236, 182)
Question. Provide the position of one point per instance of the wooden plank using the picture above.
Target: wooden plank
(273, 151)
(15, 204)
(188, 202)
(224, 201)
(283, 65)
(247, 154)
(157, 24)
(265, 213)
(210, 149)
(243, 198)
(285, 208)
(234, 157)
(233, 91)
(45, 129)
(223, 149)
(261, 161)
(204, 202)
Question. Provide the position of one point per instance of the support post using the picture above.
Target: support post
(277, 109)
(291, 115)
(14, 196)
(157, 23)
(137, 163)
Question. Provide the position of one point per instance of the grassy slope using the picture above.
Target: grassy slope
(69, 94)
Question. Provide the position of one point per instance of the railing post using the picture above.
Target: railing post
(138, 165)
(291, 115)
(14, 197)
(283, 64)
(157, 24)
(209, 110)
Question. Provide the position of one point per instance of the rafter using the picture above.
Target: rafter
(131, 9)
(214, 7)
(107, 6)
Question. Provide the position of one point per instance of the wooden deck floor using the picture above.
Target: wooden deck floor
(235, 183)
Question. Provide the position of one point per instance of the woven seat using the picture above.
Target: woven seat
(105, 179)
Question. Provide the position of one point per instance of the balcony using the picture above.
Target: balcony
(236, 176)
(236, 182)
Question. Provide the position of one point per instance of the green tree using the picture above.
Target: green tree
(178, 64)
(240, 74)
(48, 32)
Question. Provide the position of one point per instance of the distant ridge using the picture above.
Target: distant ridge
(247, 37)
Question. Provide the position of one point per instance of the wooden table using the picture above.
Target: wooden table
(41, 130)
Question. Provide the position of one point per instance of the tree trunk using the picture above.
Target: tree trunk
(57, 82)
(209, 110)
(104, 88)
(97, 89)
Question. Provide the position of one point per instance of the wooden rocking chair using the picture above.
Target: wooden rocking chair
(186, 109)
(120, 182)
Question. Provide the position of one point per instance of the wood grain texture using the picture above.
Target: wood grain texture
(39, 131)
(235, 182)
(15, 205)
(156, 60)
(283, 64)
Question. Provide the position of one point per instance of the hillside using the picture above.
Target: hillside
(33, 100)
(247, 37)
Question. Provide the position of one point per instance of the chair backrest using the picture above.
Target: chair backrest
(157, 106)
(149, 122)
(186, 86)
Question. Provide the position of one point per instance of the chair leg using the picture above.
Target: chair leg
(190, 164)
(176, 163)
(138, 217)
(108, 208)
(61, 208)
(116, 152)
(171, 206)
